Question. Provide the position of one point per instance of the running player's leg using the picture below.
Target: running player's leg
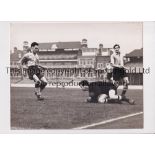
(130, 101)
(43, 83)
(125, 85)
(40, 75)
(38, 82)
(114, 97)
(32, 70)
(37, 89)
(36, 79)
(32, 76)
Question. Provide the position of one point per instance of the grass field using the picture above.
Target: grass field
(67, 109)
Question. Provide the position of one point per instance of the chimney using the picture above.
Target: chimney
(25, 45)
(84, 43)
(15, 49)
(100, 49)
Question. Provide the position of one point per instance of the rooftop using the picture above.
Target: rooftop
(60, 45)
(16, 55)
(135, 53)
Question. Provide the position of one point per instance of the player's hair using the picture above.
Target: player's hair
(34, 44)
(84, 83)
(116, 45)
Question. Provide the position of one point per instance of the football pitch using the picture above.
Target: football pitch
(67, 109)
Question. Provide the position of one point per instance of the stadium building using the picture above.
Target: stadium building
(60, 57)
(134, 65)
(75, 60)
(94, 59)
(15, 56)
(72, 59)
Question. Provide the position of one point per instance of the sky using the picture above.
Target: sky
(127, 34)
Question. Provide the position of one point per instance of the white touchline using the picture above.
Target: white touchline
(108, 121)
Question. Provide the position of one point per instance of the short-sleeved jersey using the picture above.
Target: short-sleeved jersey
(98, 88)
(33, 59)
(117, 59)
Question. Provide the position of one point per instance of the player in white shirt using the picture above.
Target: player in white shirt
(119, 71)
(35, 72)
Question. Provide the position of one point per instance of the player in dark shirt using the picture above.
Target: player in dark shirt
(98, 88)
(102, 91)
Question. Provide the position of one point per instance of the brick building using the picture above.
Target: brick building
(76, 60)
(134, 64)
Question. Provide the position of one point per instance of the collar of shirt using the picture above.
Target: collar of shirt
(117, 53)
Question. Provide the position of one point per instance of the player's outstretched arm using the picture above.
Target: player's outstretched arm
(20, 62)
(24, 59)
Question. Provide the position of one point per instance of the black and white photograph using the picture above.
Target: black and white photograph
(76, 75)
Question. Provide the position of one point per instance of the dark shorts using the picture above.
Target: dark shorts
(38, 71)
(117, 74)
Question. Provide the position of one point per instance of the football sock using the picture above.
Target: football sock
(37, 91)
(43, 83)
(123, 92)
(125, 88)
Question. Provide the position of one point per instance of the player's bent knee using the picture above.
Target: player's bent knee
(126, 80)
(44, 79)
(37, 85)
(45, 83)
(112, 95)
(102, 98)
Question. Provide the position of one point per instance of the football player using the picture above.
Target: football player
(103, 92)
(35, 71)
(119, 71)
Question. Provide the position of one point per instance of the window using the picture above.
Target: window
(100, 65)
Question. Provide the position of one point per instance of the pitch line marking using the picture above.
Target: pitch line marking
(108, 121)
